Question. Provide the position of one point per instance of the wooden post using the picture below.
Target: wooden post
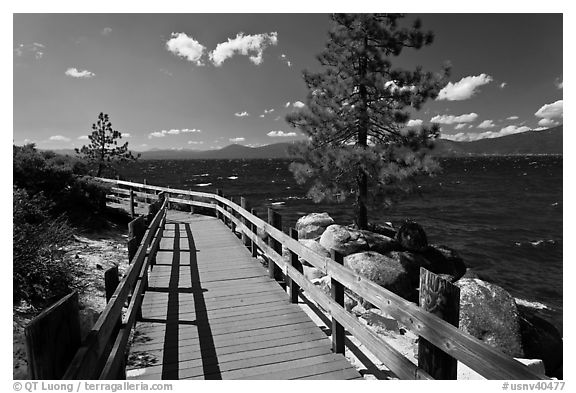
(146, 192)
(218, 203)
(110, 281)
(131, 203)
(274, 219)
(255, 231)
(232, 213)
(136, 230)
(442, 299)
(52, 339)
(337, 292)
(295, 262)
(191, 205)
(245, 239)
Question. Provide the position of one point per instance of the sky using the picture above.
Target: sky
(204, 81)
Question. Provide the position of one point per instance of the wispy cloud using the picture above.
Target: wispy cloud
(450, 119)
(195, 142)
(463, 89)
(106, 31)
(470, 137)
(186, 47)
(83, 137)
(238, 139)
(281, 134)
(459, 126)
(75, 73)
(503, 85)
(59, 138)
(559, 83)
(285, 60)
(173, 131)
(35, 50)
(298, 104)
(241, 114)
(512, 118)
(252, 46)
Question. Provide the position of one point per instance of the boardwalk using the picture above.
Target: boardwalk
(211, 312)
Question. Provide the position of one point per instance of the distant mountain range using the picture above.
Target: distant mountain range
(526, 143)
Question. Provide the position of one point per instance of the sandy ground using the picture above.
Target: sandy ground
(92, 253)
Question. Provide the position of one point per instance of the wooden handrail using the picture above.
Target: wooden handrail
(480, 357)
(93, 356)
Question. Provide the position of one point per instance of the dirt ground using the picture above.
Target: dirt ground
(92, 253)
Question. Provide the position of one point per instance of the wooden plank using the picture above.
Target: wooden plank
(348, 373)
(442, 299)
(52, 339)
(327, 365)
(337, 293)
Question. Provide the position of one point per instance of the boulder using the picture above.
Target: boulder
(313, 225)
(343, 240)
(386, 230)
(412, 237)
(325, 283)
(388, 272)
(541, 340)
(380, 243)
(489, 313)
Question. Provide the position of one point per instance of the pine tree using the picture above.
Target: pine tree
(356, 114)
(103, 148)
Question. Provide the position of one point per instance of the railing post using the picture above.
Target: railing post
(295, 262)
(441, 298)
(111, 282)
(245, 239)
(233, 214)
(218, 203)
(337, 292)
(145, 192)
(131, 203)
(274, 219)
(191, 199)
(255, 231)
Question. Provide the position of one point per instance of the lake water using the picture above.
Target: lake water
(502, 214)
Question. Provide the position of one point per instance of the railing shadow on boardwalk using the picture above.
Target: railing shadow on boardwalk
(170, 358)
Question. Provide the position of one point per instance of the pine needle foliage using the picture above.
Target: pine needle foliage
(103, 149)
(356, 113)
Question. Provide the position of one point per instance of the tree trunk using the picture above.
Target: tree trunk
(364, 124)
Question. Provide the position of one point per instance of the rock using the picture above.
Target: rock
(380, 243)
(412, 237)
(388, 272)
(325, 284)
(466, 373)
(489, 313)
(316, 247)
(386, 230)
(541, 340)
(312, 273)
(445, 262)
(313, 225)
(343, 240)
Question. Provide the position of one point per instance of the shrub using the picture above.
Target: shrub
(40, 271)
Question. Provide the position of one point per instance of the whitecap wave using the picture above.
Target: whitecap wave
(278, 203)
(535, 305)
(203, 184)
(232, 177)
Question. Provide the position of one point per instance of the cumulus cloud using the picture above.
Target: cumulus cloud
(559, 83)
(280, 134)
(503, 85)
(551, 111)
(252, 46)
(512, 118)
(126, 135)
(59, 138)
(266, 111)
(106, 31)
(463, 89)
(298, 104)
(173, 131)
(236, 140)
(241, 114)
(84, 138)
(195, 142)
(414, 123)
(75, 73)
(450, 119)
(547, 123)
(459, 126)
(286, 105)
(186, 47)
(487, 124)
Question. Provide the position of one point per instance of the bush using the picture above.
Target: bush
(40, 271)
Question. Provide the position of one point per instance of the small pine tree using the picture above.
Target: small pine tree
(103, 148)
(356, 112)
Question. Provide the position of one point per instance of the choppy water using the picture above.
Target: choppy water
(503, 214)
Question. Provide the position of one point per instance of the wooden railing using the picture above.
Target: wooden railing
(102, 354)
(267, 236)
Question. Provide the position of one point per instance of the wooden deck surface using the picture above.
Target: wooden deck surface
(211, 312)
